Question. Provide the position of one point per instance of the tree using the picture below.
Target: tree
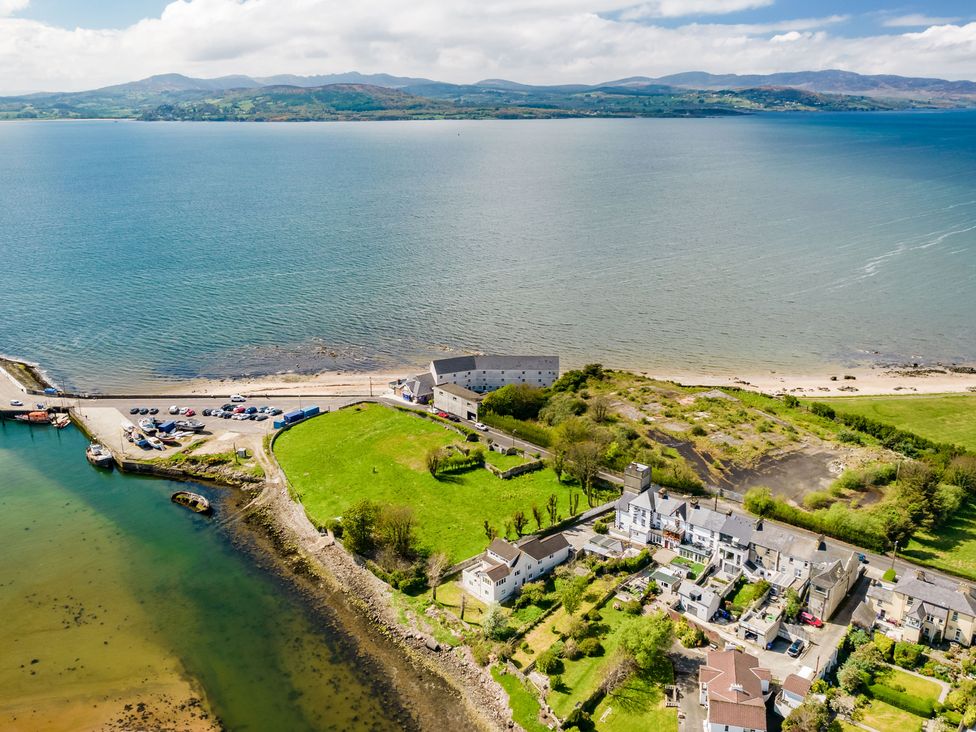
(600, 408)
(558, 462)
(573, 503)
(895, 523)
(560, 407)
(583, 460)
(490, 531)
(537, 517)
(396, 526)
(793, 604)
(618, 674)
(437, 563)
(572, 594)
(519, 521)
(494, 624)
(435, 458)
(358, 524)
(533, 593)
(646, 639)
(759, 500)
(552, 508)
(810, 716)
(522, 401)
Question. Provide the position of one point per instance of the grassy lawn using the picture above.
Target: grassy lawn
(940, 417)
(695, 567)
(541, 636)
(744, 595)
(637, 706)
(582, 676)
(504, 462)
(921, 688)
(886, 718)
(951, 548)
(523, 702)
(376, 452)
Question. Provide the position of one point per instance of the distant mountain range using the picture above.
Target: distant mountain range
(382, 96)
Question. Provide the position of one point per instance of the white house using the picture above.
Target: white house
(505, 567)
(457, 400)
(794, 690)
(486, 373)
(698, 601)
(734, 688)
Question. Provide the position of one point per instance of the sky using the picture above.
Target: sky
(68, 45)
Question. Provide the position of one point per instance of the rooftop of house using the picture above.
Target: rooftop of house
(797, 685)
(697, 593)
(494, 363)
(778, 539)
(937, 591)
(735, 694)
(540, 548)
(460, 391)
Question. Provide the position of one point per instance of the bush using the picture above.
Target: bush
(914, 705)
(529, 431)
(631, 606)
(481, 653)
(571, 651)
(848, 437)
(822, 410)
(591, 647)
(690, 636)
(549, 663)
(698, 431)
(885, 645)
(601, 527)
(791, 401)
(817, 499)
(578, 629)
(908, 655)
(889, 575)
(594, 616)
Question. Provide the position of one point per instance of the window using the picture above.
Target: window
(955, 616)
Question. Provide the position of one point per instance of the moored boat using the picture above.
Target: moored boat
(61, 421)
(155, 443)
(192, 501)
(148, 425)
(99, 456)
(37, 417)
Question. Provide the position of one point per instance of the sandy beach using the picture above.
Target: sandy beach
(863, 381)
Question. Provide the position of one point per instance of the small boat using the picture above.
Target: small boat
(192, 501)
(61, 421)
(140, 440)
(127, 426)
(148, 425)
(99, 456)
(189, 425)
(155, 443)
(36, 417)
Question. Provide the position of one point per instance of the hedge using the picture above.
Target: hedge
(528, 431)
(907, 702)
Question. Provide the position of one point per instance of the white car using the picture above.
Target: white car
(481, 426)
(174, 409)
(16, 403)
(238, 398)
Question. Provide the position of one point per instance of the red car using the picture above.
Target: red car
(443, 415)
(190, 413)
(809, 619)
(239, 410)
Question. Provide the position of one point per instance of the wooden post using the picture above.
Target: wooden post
(462, 604)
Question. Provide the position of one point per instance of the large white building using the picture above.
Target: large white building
(505, 567)
(486, 373)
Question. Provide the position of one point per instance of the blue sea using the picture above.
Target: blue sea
(139, 251)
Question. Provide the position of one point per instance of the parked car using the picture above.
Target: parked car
(442, 415)
(190, 412)
(206, 412)
(16, 403)
(481, 426)
(144, 410)
(228, 407)
(238, 398)
(810, 619)
(174, 409)
(274, 411)
(226, 415)
(153, 410)
(795, 649)
(454, 418)
(238, 410)
(251, 410)
(260, 417)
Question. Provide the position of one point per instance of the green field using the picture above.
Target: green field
(886, 718)
(637, 705)
(952, 547)
(376, 452)
(522, 701)
(895, 678)
(940, 417)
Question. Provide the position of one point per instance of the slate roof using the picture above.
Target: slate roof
(497, 571)
(735, 695)
(495, 363)
(797, 685)
(936, 591)
(421, 384)
(670, 507)
(540, 548)
(738, 527)
(502, 548)
(706, 518)
(696, 593)
(460, 391)
(770, 536)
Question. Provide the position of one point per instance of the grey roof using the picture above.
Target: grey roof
(667, 506)
(460, 391)
(538, 548)
(739, 527)
(863, 616)
(831, 571)
(644, 500)
(770, 536)
(935, 610)
(497, 572)
(495, 363)
(421, 384)
(691, 590)
(624, 501)
(706, 518)
(502, 548)
(936, 591)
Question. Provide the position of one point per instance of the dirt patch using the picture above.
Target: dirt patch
(792, 475)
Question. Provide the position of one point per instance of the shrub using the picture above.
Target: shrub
(631, 606)
(571, 651)
(591, 647)
(594, 616)
(817, 499)
(822, 410)
(481, 653)
(534, 433)
(848, 437)
(578, 629)
(601, 527)
(791, 401)
(908, 655)
(889, 575)
(902, 700)
(885, 645)
(549, 663)
(698, 431)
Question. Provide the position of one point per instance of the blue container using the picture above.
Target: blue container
(279, 423)
(51, 392)
(310, 411)
(167, 427)
(294, 416)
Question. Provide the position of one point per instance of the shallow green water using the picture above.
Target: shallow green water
(108, 591)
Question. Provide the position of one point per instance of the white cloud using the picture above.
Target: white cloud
(535, 41)
(686, 8)
(917, 20)
(9, 7)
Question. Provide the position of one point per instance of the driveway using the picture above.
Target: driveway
(691, 716)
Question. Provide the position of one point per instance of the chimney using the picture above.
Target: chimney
(662, 492)
(759, 524)
(729, 512)
(919, 574)
(694, 503)
(821, 543)
(964, 588)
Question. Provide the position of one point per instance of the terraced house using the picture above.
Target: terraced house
(924, 607)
